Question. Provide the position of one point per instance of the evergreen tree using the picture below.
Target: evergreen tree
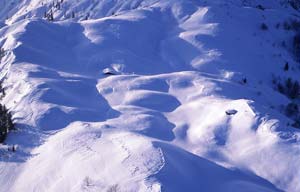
(6, 123)
(286, 67)
(51, 17)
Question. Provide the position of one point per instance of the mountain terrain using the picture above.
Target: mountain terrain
(151, 95)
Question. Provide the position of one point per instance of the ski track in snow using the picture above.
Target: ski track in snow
(161, 123)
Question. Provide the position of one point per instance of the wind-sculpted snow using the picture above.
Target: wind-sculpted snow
(189, 108)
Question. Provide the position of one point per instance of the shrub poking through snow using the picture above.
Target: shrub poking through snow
(2, 53)
(291, 24)
(264, 27)
(113, 188)
(260, 7)
(293, 88)
(294, 25)
(2, 91)
(286, 66)
(6, 123)
(295, 4)
(296, 41)
(296, 45)
(296, 124)
(292, 110)
(290, 88)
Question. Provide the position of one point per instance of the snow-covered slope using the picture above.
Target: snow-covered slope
(160, 123)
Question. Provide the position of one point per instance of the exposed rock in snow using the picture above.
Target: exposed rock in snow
(109, 71)
(231, 112)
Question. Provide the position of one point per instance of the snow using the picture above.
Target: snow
(159, 123)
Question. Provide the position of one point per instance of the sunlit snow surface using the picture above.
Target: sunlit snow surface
(159, 123)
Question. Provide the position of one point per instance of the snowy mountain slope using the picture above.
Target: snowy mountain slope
(161, 123)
